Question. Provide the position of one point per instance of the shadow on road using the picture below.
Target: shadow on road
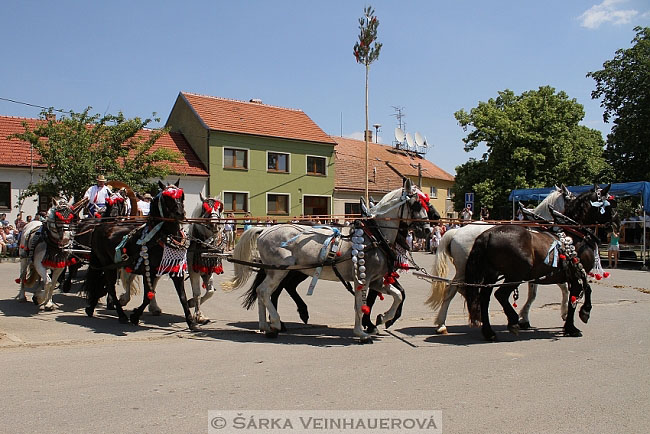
(466, 335)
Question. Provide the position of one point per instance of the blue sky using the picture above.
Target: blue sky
(438, 57)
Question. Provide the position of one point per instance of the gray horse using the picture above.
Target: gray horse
(355, 256)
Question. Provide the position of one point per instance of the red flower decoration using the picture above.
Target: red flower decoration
(18, 280)
(575, 260)
(598, 277)
(606, 274)
(365, 309)
(359, 287)
(563, 257)
(381, 296)
(573, 299)
(173, 192)
(150, 295)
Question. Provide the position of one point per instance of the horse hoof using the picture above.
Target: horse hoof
(90, 311)
(22, 299)
(273, 334)
(203, 321)
(35, 301)
(156, 312)
(380, 319)
(123, 319)
(584, 316)
(371, 330)
(365, 340)
(575, 333)
(135, 319)
(442, 330)
(194, 327)
(111, 306)
(304, 316)
(524, 325)
(490, 336)
(514, 328)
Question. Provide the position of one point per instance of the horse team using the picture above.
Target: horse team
(364, 256)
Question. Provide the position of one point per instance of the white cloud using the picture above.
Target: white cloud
(606, 12)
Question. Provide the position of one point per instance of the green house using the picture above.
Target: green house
(266, 160)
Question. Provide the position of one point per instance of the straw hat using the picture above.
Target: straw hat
(147, 196)
(101, 178)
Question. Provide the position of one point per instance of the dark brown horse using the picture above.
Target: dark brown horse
(545, 255)
(155, 248)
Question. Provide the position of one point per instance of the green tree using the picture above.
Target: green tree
(533, 140)
(79, 146)
(366, 51)
(624, 86)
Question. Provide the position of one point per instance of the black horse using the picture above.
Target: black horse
(155, 248)
(553, 254)
(115, 207)
(294, 278)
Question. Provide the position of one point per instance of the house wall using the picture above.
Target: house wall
(193, 187)
(440, 202)
(257, 181)
(184, 120)
(19, 179)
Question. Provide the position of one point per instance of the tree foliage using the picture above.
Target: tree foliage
(624, 86)
(366, 49)
(79, 146)
(533, 140)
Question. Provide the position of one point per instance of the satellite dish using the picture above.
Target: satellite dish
(409, 139)
(399, 135)
(419, 140)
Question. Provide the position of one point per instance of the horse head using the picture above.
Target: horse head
(59, 219)
(595, 206)
(169, 203)
(211, 208)
(419, 210)
(116, 204)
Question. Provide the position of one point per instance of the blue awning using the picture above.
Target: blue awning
(641, 188)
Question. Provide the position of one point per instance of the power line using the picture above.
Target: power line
(34, 105)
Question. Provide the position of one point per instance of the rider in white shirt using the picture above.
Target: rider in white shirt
(97, 195)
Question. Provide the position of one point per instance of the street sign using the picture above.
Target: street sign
(469, 197)
(470, 205)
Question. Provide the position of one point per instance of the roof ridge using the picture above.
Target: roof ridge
(257, 104)
(20, 117)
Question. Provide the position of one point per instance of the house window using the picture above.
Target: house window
(434, 193)
(316, 205)
(235, 202)
(278, 162)
(450, 195)
(277, 204)
(44, 202)
(235, 158)
(5, 195)
(316, 166)
(352, 209)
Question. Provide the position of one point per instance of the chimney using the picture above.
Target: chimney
(50, 117)
(369, 135)
(255, 101)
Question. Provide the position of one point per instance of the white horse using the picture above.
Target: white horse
(298, 246)
(205, 237)
(456, 245)
(42, 249)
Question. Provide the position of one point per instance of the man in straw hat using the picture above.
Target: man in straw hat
(97, 195)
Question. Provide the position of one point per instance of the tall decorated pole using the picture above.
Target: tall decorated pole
(366, 51)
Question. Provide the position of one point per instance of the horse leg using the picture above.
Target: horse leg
(389, 315)
(358, 316)
(24, 266)
(484, 294)
(128, 280)
(275, 295)
(503, 296)
(439, 322)
(524, 322)
(110, 277)
(264, 291)
(180, 290)
(585, 310)
(398, 312)
(138, 311)
(366, 321)
(154, 308)
(49, 290)
(196, 281)
(569, 326)
(564, 306)
(290, 284)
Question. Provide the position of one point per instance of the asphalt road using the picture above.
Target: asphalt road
(66, 373)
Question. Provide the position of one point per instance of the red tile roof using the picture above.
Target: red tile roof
(255, 118)
(17, 152)
(350, 160)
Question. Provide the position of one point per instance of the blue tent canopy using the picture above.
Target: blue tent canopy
(641, 188)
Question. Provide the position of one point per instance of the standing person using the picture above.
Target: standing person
(466, 213)
(229, 229)
(613, 248)
(97, 195)
(485, 213)
(144, 205)
(20, 223)
(435, 238)
(3, 219)
(247, 222)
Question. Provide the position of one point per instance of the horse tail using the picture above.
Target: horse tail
(133, 287)
(440, 269)
(475, 274)
(244, 250)
(251, 295)
(94, 286)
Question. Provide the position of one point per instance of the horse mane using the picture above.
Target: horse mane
(554, 199)
(386, 202)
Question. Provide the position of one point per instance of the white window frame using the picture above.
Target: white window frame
(433, 192)
(288, 195)
(331, 204)
(223, 158)
(281, 153)
(248, 199)
(307, 166)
